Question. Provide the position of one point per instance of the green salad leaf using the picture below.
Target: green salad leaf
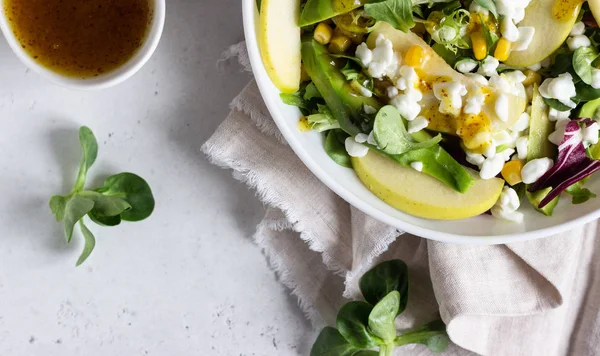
(362, 326)
(391, 135)
(336, 149)
(579, 193)
(124, 196)
(398, 13)
(583, 57)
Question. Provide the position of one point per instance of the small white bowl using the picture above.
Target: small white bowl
(480, 230)
(109, 79)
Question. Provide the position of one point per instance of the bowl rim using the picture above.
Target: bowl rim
(249, 21)
(117, 76)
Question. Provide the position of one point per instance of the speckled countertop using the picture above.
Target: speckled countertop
(188, 281)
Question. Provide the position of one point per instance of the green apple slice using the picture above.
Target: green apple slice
(420, 195)
(550, 32)
(279, 42)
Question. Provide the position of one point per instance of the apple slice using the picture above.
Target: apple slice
(421, 195)
(595, 8)
(550, 32)
(279, 42)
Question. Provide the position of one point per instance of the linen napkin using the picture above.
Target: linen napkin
(540, 297)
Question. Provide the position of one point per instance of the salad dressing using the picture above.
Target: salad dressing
(80, 39)
(566, 10)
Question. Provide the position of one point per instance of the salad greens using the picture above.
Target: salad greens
(366, 325)
(375, 81)
(124, 196)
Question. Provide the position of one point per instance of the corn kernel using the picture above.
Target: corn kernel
(415, 56)
(323, 33)
(502, 49)
(512, 172)
(531, 77)
(339, 44)
(479, 45)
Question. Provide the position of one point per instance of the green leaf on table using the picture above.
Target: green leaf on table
(352, 322)
(76, 208)
(336, 149)
(104, 220)
(381, 319)
(398, 13)
(134, 190)
(391, 135)
(582, 63)
(383, 279)
(579, 193)
(490, 5)
(331, 343)
(58, 205)
(90, 243)
(433, 335)
(89, 152)
(106, 205)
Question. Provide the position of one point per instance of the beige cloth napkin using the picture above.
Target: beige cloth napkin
(535, 298)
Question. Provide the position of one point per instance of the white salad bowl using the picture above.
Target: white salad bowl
(480, 230)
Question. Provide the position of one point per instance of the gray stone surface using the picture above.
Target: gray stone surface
(188, 281)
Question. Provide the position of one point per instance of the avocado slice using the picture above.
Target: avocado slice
(590, 109)
(540, 127)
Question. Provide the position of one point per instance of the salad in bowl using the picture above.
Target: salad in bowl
(446, 110)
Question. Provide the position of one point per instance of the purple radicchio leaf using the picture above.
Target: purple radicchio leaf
(572, 164)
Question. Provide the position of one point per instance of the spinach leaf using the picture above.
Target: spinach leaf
(331, 343)
(433, 335)
(397, 13)
(134, 190)
(294, 100)
(381, 319)
(563, 62)
(582, 63)
(383, 279)
(311, 92)
(352, 321)
(104, 220)
(579, 193)
(555, 104)
(90, 243)
(76, 208)
(336, 148)
(450, 57)
(89, 148)
(586, 92)
(391, 135)
(490, 5)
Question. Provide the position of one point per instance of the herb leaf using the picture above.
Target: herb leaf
(90, 243)
(58, 205)
(383, 279)
(106, 205)
(76, 208)
(323, 120)
(490, 5)
(433, 335)
(582, 63)
(331, 343)
(336, 149)
(391, 135)
(397, 13)
(134, 190)
(579, 193)
(89, 149)
(352, 321)
(381, 319)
